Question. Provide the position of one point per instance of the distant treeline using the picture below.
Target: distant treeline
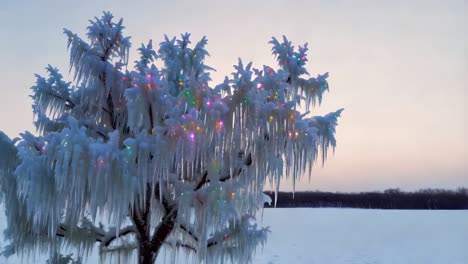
(388, 199)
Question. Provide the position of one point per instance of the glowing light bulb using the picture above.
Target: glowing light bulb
(219, 126)
(129, 150)
(270, 72)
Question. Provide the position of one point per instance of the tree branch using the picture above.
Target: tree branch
(63, 230)
(163, 229)
(101, 236)
(69, 103)
(98, 129)
(110, 103)
(67, 100)
(213, 242)
(204, 180)
(120, 247)
(122, 232)
(189, 232)
(180, 244)
(141, 213)
(166, 225)
(150, 110)
(103, 78)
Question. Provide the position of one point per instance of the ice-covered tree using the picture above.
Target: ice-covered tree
(158, 158)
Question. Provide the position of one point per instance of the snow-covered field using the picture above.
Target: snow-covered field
(357, 236)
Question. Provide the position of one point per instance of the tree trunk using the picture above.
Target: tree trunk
(149, 250)
(162, 232)
(147, 255)
(149, 246)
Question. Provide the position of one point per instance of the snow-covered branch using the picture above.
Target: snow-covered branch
(204, 180)
(111, 236)
(124, 246)
(188, 231)
(181, 244)
(99, 234)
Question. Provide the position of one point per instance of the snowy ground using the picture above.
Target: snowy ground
(356, 236)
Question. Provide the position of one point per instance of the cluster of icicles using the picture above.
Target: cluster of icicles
(207, 151)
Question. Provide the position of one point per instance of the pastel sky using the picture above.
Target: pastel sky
(399, 68)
